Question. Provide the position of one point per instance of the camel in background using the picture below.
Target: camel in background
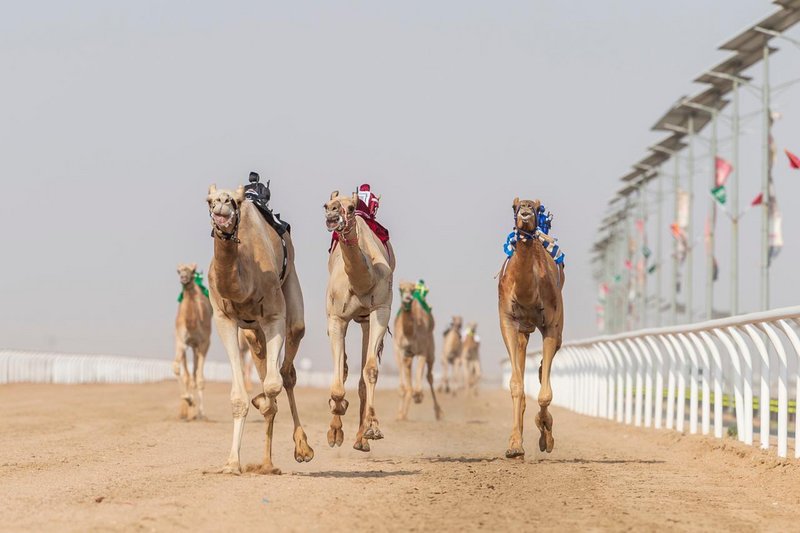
(359, 290)
(413, 339)
(255, 289)
(470, 359)
(529, 298)
(192, 330)
(451, 355)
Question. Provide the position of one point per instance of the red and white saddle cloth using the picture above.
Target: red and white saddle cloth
(366, 208)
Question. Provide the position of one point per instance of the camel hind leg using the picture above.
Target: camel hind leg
(199, 379)
(181, 371)
(362, 444)
(421, 362)
(437, 409)
(405, 383)
(295, 330)
(544, 420)
(378, 325)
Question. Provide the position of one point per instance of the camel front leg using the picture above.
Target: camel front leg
(516, 344)
(361, 444)
(199, 379)
(183, 379)
(437, 410)
(445, 385)
(337, 329)
(405, 384)
(420, 359)
(378, 324)
(227, 330)
(544, 420)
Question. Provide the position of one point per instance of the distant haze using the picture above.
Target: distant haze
(117, 116)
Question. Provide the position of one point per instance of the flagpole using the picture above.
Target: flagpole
(711, 222)
(674, 289)
(689, 228)
(659, 234)
(734, 205)
(643, 274)
(765, 183)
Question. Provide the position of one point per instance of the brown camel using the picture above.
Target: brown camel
(451, 354)
(192, 330)
(413, 339)
(529, 299)
(470, 359)
(255, 289)
(360, 290)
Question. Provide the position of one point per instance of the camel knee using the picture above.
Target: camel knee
(517, 388)
(545, 397)
(371, 372)
(201, 383)
(266, 405)
(295, 332)
(289, 376)
(239, 408)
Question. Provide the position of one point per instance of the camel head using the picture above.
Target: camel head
(456, 322)
(472, 328)
(186, 272)
(340, 212)
(223, 207)
(407, 294)
(525, 212)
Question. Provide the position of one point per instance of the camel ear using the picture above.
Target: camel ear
(516, 204)
(334, 194)
(193, 266)
(212, 189)
(239, 194)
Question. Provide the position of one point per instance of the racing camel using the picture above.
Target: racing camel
(451, 354)
(361, 266)
(255, 289)
(529, 294)
(192, 330)
(413, 339)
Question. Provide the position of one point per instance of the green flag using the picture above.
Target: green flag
(651, 269)
(646, 252)
(719, 194)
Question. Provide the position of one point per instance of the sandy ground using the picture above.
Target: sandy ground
(115, 458)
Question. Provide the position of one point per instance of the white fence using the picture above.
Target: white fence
(39, 367)
(741, 363)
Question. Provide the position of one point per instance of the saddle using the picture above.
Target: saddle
(259, 194)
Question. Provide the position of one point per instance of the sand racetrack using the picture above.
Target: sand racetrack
(114, 457)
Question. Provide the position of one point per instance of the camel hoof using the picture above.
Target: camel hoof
(303, 453)
(361, 445)
(438, 412)
(339, 407)
(546, 441)
(231, 468)
(373, 433)
(515, 452)
(335, 437)
(401, 417)
(418, 397)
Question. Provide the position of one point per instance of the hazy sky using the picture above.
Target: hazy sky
(117, 116)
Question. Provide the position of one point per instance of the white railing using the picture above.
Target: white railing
(40, 367)
(641, 377)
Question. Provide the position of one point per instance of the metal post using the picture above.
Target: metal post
(659, 235)
(765, 164)
(689, 228)
(674, 289)
(734, 205)
(712, 214)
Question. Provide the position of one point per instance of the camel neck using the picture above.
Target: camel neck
(523, 262)
(226, 270)
(357, 266)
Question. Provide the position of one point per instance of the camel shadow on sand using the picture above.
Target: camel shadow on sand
(358, 473)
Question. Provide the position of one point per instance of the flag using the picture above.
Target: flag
(640, 225)
(758, 200)
(724, 169)
(618, 278)
(794, 161)
(775, 225)
(651, 269)
(715, 274)
(718, 192)
(628, 264)
(683, 208)
(646, 252)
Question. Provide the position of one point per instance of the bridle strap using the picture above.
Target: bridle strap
(224, 235)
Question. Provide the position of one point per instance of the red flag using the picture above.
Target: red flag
(758, 200)
(724, 169)
(794, 161)
(628, 264)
